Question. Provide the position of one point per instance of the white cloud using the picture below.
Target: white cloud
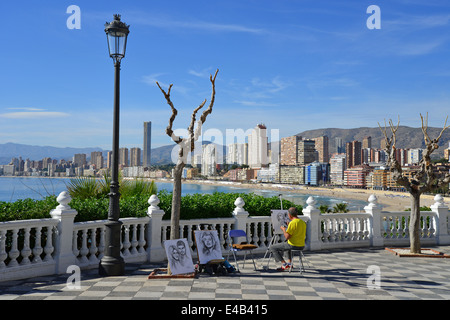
(33, 113)
(167, 22)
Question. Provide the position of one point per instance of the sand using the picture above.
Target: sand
(389, 200)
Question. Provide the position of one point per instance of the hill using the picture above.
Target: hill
(407, 137)
(15, 150)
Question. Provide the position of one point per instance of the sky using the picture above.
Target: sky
(292, 65)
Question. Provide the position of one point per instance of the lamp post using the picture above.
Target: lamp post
(112, 264)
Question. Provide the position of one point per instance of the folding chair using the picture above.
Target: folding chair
(240, 246)
(301, 256)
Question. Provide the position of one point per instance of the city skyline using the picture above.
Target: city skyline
(293, 66)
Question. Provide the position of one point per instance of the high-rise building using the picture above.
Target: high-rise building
(79, 159)
(367, 142)
(447, 152)
(123, 157)
(337, 168)
(147, 143)
(109, 159)
(306, 152)
(353, 153)
(321, 145)
(209, 159)
(414, 156)
(97, 159)
(135, 157)
(289, 150)
(257, 147)
(237, 153)
(340, 148)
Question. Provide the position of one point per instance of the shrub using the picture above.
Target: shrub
(193, 206)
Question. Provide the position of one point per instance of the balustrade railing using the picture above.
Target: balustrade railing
(48, 246)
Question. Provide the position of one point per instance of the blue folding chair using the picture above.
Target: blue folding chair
(236, 246)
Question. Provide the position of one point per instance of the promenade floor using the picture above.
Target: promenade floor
(331, 275)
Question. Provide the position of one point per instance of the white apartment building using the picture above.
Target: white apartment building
(237, 153)
(257, 147)
(209, 160)
(414, 156)
(337, 168)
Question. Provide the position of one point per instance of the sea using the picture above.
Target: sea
(15, 188)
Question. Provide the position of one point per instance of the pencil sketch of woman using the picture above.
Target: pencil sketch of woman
(208, 246)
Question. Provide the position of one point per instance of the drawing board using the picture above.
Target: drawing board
(208, 245)
(179, 256)
(279, 218)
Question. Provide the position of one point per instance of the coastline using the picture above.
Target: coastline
(389, 200)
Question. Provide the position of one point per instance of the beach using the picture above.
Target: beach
(389, 200)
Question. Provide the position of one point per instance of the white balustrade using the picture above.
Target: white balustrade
(48, 246)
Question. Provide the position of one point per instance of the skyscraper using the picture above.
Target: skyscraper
(147, 143)
(321, 145)
(135, 157)
(257, 147)
(353, 153)
(123, 157)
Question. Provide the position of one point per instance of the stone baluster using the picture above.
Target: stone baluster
(141, 241)
(3, 254)
(101, 245)
(26, 250)
(442, 215)
(49, 248)
(313, 227)
(63, 248)
(155, 249)
(240, 215)
(93, 246)
(37, 250)
(374, 209)
(126, 241)
(84, 249)
(134, 241)
(14, 252)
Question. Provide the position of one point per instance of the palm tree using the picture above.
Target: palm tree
(324, 208)
(340, 207)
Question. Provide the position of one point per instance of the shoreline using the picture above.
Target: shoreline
(389, 200)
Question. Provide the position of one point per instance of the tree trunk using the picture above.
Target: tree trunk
(414, 223)
(176, 202)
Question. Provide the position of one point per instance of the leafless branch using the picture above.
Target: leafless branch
(169, 130)
(213, 95)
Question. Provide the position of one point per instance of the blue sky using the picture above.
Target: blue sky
(292, 65)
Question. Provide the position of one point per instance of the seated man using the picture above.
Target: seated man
(295, 235)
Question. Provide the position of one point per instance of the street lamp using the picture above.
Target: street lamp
(112, 264)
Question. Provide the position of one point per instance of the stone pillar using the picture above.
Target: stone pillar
(442, 213)
(64, 256)
(374, 209)
(155, 249)
(240, 215)
(312, 229)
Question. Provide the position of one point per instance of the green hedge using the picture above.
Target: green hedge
(193, 206)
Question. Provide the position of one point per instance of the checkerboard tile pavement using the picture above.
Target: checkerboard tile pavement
(331, 275)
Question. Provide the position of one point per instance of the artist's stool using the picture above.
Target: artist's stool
(300, 259)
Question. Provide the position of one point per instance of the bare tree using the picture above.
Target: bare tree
(186, 145)
(425, 179)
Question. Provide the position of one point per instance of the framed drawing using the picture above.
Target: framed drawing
(208, 245)
(279, 218)
(179, 256)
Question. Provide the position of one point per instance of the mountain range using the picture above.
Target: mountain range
(407, 137)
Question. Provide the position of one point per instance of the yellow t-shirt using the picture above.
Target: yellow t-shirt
(297, 230)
